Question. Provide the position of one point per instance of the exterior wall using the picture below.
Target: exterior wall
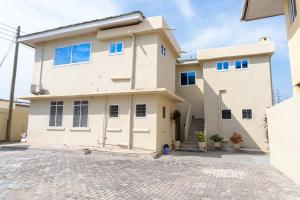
(145, 130)
(191, 93)
(245, 89)
(293, 33)
(283, 125)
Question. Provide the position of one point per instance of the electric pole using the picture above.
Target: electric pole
(12, 88)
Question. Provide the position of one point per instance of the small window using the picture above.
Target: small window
(226, 114)
(241, 64)
(80, 114)
(116, 48)
(114, 111)
(163, 50)
(188, 78)
(222, 66)
(140, 110)
(56, 113)
(63, 56)
(292, 10)
(164, 112)
(247, 113)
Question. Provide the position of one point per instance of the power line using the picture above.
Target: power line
(6, 34)
(8, 51)
(6, 39)
(7, 30)
(8, 26)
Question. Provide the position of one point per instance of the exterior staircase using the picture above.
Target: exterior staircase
(191, 142)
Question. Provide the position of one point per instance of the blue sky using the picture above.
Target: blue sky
(198, 23)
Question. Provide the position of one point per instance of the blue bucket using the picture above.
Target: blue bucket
(166, 149)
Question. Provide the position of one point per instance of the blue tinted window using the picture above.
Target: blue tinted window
(119, 47)
(244, 64)
(81, 53)
(238, 64)
(219, 66)
(191, 78)
(225, 65)
(184, 79)
(112, 49)
(62, 56)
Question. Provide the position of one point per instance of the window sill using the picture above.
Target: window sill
(115, 130)
(55, 128)
(135, 130)
(115, 79)
(82, 129)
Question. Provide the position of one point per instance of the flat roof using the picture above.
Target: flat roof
(162, 91)
(258, 9)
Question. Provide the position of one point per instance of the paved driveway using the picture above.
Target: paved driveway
(49, 174)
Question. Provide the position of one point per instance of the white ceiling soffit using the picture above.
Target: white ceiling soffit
(258, 9)
(82, 28)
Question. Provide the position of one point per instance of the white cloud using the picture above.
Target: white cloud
(185, 8)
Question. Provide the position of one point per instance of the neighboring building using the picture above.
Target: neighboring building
(283, 119)
(19, 119)
(116, 81)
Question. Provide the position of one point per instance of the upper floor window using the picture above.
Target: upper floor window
(188, 78)
(140, 110)
(226, 114)
(116, 48)
(223, 66)
(163, 50)
(56, 112)
(247, 113)
(241, 64)
(292, 10)
(80, 114)
(114, 111)
(72, 54)
(164, 112)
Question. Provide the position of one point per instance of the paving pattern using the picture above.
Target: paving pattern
(56, 174)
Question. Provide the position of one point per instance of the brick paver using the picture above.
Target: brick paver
(52, 174)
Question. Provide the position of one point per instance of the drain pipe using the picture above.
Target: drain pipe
(132, 86)
(104, 122)
(220, 111)
(42, 64)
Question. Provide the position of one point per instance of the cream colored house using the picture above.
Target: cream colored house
(117, 81)
(19, 119)
(283, 119)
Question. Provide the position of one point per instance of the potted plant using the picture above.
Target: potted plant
(236, 140)
(201, 140)
(176, 117)
(217, 139)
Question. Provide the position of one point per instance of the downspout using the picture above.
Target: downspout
(271, 80)
(220, 111)
(104, 122)
(42, 64)
(132, 83)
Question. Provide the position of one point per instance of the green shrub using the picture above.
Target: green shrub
(200, 136)
(216, 138)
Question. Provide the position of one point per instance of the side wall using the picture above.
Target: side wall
(284, 129)
(245, 89)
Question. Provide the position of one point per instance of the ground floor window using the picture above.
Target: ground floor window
(80, 114)
(164, 112)
(247, 113)
(226, 114)
(56, 113)
(114, 111)
(140, 110)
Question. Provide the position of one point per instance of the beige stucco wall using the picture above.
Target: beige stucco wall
(145, 130)
(293, 33)
(245, 89)
(284, 129)
(193, 94)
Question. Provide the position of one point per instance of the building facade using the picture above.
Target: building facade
(117, 81)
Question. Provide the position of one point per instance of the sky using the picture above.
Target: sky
(198, 24)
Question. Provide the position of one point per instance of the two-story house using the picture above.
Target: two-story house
(117, 81)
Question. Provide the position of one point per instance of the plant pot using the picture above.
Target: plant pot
(236, 145)
(177, 144)
(202, 145)
(217, 144)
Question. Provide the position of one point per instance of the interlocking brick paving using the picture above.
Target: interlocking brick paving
(56, 174)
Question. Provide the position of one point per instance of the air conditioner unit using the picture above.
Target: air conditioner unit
(36, 89)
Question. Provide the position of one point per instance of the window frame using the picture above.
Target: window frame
(116, 53)
(71, 45)
(164, 112)
(247, 117)
(109, 111)
(223, 70)
(80, 116)
(248, 61)
(163, 50)
(186, 72)
(223, 114)
(293, 12)
(136, 110)
(62, 115)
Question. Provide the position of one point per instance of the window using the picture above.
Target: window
(247, 113)
(56, 112)
(188, 78)
(292, 10)
(116, 48)
(226, 114)
(80, 114)
(140, 110)
(163, 50)
(241, 64)
(78, 53)
(223, 66)
(114, 111)
(164, 112)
